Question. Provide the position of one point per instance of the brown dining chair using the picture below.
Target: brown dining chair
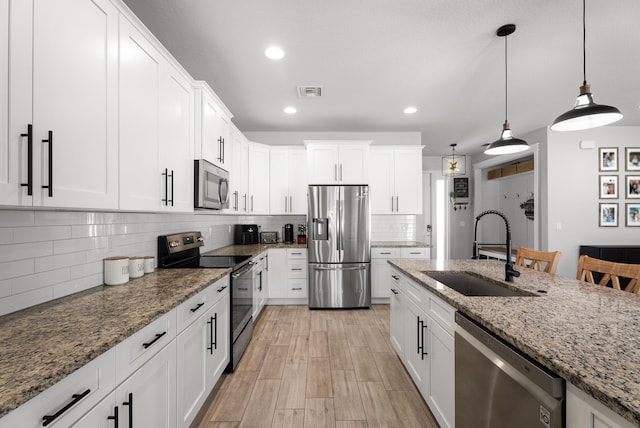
(534, 259)
(611, 272)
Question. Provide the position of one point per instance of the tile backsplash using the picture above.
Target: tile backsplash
(49, 254)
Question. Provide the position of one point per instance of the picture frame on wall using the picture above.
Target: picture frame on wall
(608, 158)
(608, 215)
(632, 216)
(608, 186)
(632, 158)
(633, 186)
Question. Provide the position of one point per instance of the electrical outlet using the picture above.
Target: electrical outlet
(229, 228)
(404, 227)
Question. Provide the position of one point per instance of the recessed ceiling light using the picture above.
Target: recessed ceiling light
(410, 110)
(290, 110)
(274, 52)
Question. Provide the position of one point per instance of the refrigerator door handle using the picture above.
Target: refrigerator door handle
(339, 268)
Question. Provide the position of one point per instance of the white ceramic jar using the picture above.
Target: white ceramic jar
(136, 267)
(149, 262)
(116, 270)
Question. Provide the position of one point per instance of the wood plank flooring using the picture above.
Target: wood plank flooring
(319, 368)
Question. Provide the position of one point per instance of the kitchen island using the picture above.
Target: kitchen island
(585, 333)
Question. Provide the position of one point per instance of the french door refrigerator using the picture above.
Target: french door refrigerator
(339, 245)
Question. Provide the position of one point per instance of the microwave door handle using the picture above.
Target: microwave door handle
(223, 191)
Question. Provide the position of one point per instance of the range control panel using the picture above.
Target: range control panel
(181, 242)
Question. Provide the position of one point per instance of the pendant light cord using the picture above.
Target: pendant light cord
(506, 78)
(584, 42)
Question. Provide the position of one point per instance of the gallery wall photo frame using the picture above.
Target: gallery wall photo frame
(608, 215)
(632, 158)
(632, 215)
(608, 159)
(633, 186)
(609, 188)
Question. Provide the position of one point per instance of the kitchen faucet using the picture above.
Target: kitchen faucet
(509, 270)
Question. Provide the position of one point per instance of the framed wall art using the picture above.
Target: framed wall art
(608, 186)
(633, 186)
(608, 158)
(632, 158)
(632, 215)
(608, 215)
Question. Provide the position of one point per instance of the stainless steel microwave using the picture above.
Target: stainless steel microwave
(211, 186)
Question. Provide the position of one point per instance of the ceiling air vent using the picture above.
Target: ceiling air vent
(309, 91)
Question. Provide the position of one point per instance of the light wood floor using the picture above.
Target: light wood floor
(319, 368)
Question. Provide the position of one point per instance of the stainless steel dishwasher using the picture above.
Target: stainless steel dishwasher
(499, 387)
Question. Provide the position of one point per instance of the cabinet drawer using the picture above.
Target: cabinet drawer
(385, 253)
(417, 293)
(191, 309)
(297, 288)
(141, 346)
(442, 313)
(219, 289)
(90, 384)
(414, 253)
(296, 268)
(296, 253)
(397, 282)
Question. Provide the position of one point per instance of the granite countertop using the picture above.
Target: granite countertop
(405, 244)
(249, 250)
(43, 344)
(586, 333)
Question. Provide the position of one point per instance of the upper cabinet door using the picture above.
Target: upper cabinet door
(258, 202)
(322, 162)
(408, 180)
(141, 181)
(279, 181)
(9, 146)
(212, 140)
(297, 181)
(338, 162)
(353, 165)
(62, 80)
(381, 181)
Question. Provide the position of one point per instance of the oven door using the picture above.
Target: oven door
(211, 186)
(241, 299)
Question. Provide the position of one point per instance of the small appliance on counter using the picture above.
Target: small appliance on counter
(246, 234)
(302, 234)
(288, 233)
(268, 237)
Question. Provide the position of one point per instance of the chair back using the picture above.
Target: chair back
(611, 272)
(534, 259)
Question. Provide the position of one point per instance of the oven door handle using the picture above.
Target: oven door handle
(246, 268)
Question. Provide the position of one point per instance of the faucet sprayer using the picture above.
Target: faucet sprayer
(509, 270)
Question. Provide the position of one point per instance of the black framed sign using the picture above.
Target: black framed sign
(461, 187)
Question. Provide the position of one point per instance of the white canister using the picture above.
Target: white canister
(136, 267)
(149, 262)
(116, 270)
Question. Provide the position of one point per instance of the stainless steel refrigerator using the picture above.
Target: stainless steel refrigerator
(339, 244)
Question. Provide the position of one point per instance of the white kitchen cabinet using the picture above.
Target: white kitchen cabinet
(106, 414)
(288, 276)
(422, 328)
(258, 201)
(212, 127)
(396, 186)
(202, 348)
(381, 271)
(239, 174)
(337, 162)
(148, 396)
(288, 181)
(277, 262)
(83, 389)
(260, 283)
(584, 411)
(62, 95)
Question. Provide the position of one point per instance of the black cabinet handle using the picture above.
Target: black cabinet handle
(166, 187)
(130, 404)
(297, 289)
(243, 289)
(296, 269)
(29, 183)
(75, 398)
(198, 306)
(223, 149)
(424, 348)
(221, 288)
(154, 340)
(386, 254)
(235, 197)
(50, 185)
(394, 291)
(395, 277)
(418, 329)
(220, 150)
(213, 330)
(114, 417)
(172, 177)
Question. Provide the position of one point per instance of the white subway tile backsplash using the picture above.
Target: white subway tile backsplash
(40, 233)
(87, 269)
(17, 268)
(76, 285)
(25, 251)
(16, 218)
(6, 235)
(24, 300)
(60, 261)
(38, 280)
(81, 244)
(49, 218)
(5, 288)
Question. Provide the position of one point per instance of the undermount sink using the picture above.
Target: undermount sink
(471, 284)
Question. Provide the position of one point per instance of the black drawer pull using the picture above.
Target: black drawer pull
(221, 288)
(297, 289)
(198, 306)
(114, 418)
(50, 185)
(394, 291)
(296, 254)
(386, 254)
(155, 339)
(213, 329)
(296, 269)
(243, 289)
(75, 398)
(130, 404)
(395, 277)
(29, 183)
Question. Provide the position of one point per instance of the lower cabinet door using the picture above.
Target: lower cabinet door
(192, 361)
(147, 398)
(441, 396)
(380, 274)
(218, 349)
(416, 328)
(397, 321)
(105, 414)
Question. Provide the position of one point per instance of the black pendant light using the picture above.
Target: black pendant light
(506, 143)
(585, 113)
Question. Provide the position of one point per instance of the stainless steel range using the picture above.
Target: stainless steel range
(182, 250)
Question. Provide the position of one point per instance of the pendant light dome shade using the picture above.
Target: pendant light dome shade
(506, 144)
(585, 114)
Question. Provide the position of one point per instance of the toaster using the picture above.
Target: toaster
(268, 237)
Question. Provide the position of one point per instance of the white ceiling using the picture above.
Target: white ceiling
(376, 57)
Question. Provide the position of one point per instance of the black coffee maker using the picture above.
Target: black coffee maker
(288, 233)
(246, 234)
